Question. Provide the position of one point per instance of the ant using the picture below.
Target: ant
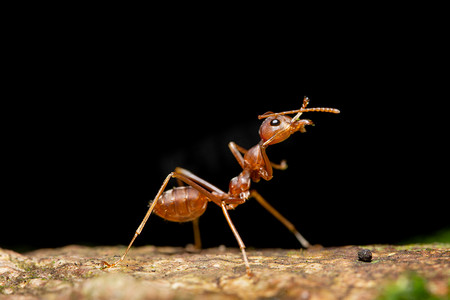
(188, 203)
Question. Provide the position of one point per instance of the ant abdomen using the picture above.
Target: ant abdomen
(181, 204)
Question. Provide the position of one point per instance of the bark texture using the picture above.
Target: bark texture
(75, 272)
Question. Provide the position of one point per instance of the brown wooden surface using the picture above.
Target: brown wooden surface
(74, 272)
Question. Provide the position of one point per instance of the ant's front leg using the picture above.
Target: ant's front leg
(281, 166)
(237, 150)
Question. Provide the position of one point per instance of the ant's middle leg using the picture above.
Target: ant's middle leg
(280, 218)
(218, 197)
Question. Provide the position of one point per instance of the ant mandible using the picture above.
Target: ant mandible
(188, 203)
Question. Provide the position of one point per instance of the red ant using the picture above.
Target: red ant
(188, 203)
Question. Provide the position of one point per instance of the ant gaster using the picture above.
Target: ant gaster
(188, 203)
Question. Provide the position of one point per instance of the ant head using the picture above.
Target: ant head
(277, 127)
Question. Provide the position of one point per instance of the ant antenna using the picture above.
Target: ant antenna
(301, 110)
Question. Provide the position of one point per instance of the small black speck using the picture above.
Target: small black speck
(365, 255)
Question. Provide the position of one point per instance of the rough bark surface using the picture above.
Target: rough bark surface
(75, 272)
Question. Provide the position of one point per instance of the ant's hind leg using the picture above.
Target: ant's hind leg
(280, 218)
(139, 230)
(197, 180)
(197, 237)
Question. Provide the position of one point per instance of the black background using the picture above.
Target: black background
(94, 124)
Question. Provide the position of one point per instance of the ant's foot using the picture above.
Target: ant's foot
(105, 265)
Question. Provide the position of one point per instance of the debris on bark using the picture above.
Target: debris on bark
(75, 272)
(365, 255)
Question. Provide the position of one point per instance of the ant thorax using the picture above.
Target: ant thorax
(240, 185)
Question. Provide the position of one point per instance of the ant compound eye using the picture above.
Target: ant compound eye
(275, 122)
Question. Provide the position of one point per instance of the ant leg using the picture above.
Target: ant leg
(281, 166)
(238, 238)
(197, 237)
(237, 150)
(200, 182)
(184, 179)
(280, 218)
(201, 186)
(147, 215)
(218, 198)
